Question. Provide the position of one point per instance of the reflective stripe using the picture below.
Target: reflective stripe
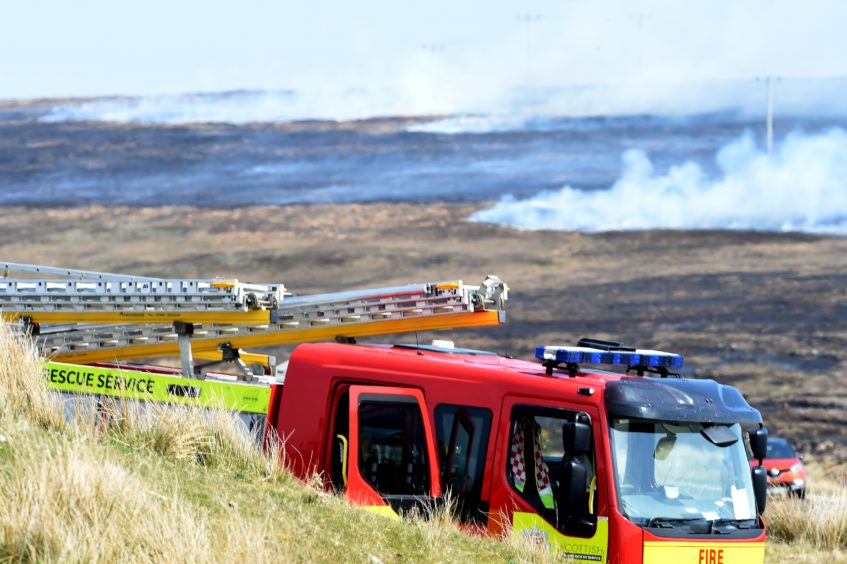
(384, 510)
(591, 489)
(532, 528)
(237, 396)
(707, 552)
(343, 440)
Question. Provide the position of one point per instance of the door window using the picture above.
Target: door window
(539, 468)
(462, 435)
(392, 446)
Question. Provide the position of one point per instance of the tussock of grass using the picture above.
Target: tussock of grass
(22, 390)
(177, 484)
(67, 501)
(819, 520)
(185, 433)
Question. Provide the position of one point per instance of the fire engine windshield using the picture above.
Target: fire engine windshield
(668, 474)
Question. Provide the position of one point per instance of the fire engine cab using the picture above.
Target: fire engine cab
(598, 466)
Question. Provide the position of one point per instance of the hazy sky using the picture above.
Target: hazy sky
(91, 47)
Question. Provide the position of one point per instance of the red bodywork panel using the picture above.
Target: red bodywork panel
(300, 409)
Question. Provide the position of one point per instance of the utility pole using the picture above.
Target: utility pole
(769, 84)
(528, 20)
(770, 116)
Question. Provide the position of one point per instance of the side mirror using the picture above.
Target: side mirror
(759, 443)
(760, 487)
(571, 497)
(576, 437)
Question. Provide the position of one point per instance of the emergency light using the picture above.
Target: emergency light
(586, 355)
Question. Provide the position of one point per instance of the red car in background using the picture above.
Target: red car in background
(786, 470)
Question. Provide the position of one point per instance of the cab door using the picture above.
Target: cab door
(391, 461)
(550, 492)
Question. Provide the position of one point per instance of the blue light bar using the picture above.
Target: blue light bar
(585, 355)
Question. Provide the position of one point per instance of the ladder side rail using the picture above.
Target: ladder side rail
(431, 290)
(61, 294)
(187, 287)
(369, 304)
(9, 267)
(355, 295)
(146, 286)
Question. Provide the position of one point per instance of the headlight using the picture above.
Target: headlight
(797, 467)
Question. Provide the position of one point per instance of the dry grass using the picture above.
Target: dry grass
(801, 553)
(813, 530)
(68, 496)
(820, 520)
(68, 501)
(167, 484)
(209, 437)
(22, 390)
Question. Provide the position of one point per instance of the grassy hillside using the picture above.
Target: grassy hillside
(185, 484)
(177, 485)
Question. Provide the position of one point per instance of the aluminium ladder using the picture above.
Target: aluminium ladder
(86, 317)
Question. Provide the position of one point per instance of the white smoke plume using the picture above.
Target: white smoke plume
(801, 187)
(464, 110)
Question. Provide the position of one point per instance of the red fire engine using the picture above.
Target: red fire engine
(599, 466)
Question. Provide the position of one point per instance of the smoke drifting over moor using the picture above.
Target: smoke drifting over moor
(801, 187)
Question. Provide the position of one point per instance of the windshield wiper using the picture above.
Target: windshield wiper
(671, 522)
(700, 525)
(738, 523)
